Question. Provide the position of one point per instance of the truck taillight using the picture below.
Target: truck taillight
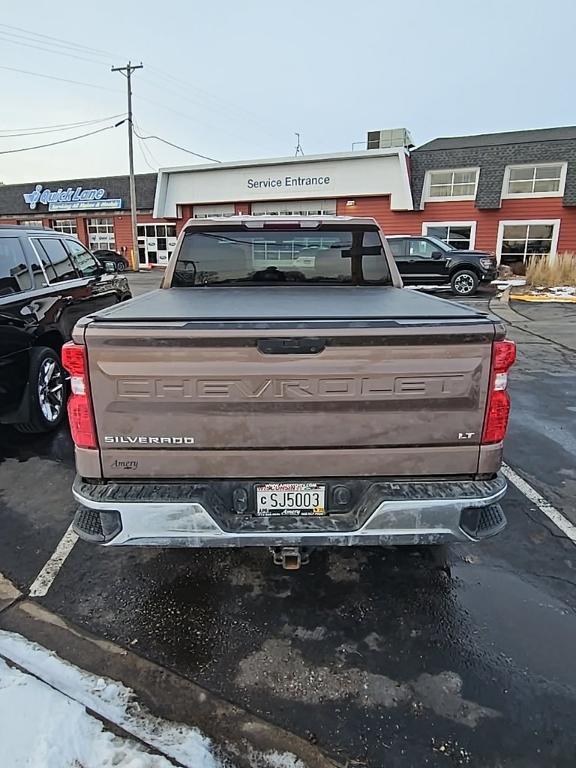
(498, 409)
(79, 404)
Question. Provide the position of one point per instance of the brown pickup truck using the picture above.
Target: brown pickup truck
(282, 389)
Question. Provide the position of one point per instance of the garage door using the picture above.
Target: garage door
(295, 208)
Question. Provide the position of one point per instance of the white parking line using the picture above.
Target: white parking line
(568, 528)
(43, 581)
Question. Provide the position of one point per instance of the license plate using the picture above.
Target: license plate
(290, 499)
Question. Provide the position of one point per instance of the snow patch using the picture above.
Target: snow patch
(513, 281)
(561, 290)
(107, 698)
(42, 727)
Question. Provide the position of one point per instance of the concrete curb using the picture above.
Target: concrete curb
(500, 306)
(9, 594)
(240, 737)
(538, 299)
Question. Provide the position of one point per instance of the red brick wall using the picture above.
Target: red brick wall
(123, 228)
(186, 214)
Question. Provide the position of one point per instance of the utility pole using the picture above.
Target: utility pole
(127, 72)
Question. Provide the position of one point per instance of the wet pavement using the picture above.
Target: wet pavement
(384, 657)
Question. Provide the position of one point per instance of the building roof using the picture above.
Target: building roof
(290, 160)
(499, 139)
(12, 201)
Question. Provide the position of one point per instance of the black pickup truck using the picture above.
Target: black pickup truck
(48, 281)
(428, 262)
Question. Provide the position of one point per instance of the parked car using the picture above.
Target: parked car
(116, 258)
(430, 262)
(48, 281)
(282, 390)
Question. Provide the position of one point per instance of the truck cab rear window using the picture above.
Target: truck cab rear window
(233, 256)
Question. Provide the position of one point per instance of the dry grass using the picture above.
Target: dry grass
(550, 271)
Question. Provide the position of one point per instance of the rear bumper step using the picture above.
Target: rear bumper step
(201, 515)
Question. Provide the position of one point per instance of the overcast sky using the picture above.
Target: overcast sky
(235, 80)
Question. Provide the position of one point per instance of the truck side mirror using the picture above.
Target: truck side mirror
(437, 254)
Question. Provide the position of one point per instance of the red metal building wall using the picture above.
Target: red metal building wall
(410, 222)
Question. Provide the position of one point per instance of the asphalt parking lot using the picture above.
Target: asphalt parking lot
(382, 657)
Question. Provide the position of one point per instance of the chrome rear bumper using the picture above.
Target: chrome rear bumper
(193, 515)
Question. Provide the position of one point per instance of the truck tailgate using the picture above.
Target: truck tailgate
(395, 394)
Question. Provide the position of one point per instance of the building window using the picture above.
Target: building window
(458, 234)
(67, 226)
(455, 184)
(518, 241)
(218, 211)
(546, 180)
(101, 235)
(295, 208)
(156, 243)
(32, 223)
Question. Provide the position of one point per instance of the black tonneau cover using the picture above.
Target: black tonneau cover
(293, 302)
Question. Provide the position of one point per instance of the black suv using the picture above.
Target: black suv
(428, 261)
(47, 282)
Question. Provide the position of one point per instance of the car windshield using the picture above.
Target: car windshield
(281, 254)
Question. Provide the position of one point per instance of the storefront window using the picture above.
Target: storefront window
(155, 243)
(30, 223)
(67, 226)
(524, 240)
(457, 235)
(101, 235)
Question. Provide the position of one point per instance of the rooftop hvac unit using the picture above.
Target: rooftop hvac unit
(391, 137)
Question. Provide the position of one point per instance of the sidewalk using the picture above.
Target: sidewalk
(555, 323)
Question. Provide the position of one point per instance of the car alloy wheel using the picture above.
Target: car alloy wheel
(51, 390)
(464, 284)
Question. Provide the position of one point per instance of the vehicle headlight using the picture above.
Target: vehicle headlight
(486, 263)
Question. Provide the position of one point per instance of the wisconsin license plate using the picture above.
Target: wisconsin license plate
(290, 499)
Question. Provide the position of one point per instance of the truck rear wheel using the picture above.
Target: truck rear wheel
(46, 392)
(464, 282)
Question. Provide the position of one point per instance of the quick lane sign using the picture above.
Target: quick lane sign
(71, 199)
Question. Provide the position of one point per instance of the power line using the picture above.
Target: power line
(62, 141)
(60, 79)
(6, 38)
(33, 39)
(177, 146)
(217, 105)
(39, 41)
(224, 102)
(59, 40)
(195, 120)
(4, 134)
(142, 147)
